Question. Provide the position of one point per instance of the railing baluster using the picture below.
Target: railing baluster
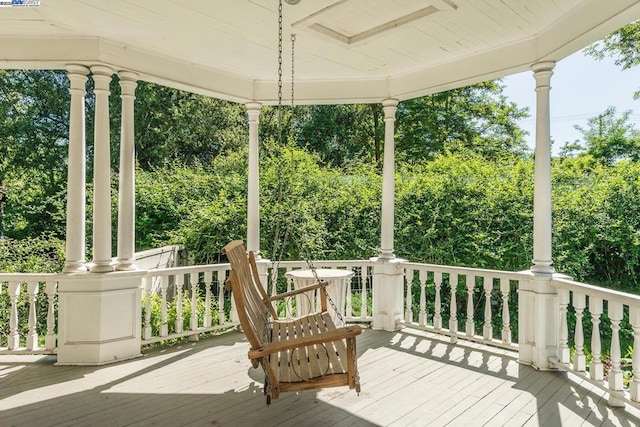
(563, 347)
(32, 335)
(1, 288)
(164, 326)
(348, 304)
(146, 328)
(487, 330)
(208, 281)
(453, 320)
(179, 282)
(221, 279)
(288, 306)
(470, 328)
(194, 324)
(579, 360)
(13, 340)
(194, 282)
(505, 287)
(634, 319)
(363, 299)
(615, 373)
(437, 315)
(408, 311)
(422, 315)
(595, 367)
(50, 340)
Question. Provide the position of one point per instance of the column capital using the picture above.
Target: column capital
(542, 72)
(389, 102)
(77, 69)
(253, 106)
(77, 81)
(389, 106)
(101, 70)
(253, 110)
(126, 75)
(543, 66)
(128, 83)
(101, 77)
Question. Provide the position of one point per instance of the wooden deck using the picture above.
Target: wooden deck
(407, 379)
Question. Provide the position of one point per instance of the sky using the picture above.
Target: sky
(581, 88)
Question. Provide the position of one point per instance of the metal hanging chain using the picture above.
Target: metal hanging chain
(305, 250)
(278, 213)
(288, 229)
(293, 63)
(279, 60)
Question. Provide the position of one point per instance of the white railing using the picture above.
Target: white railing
(358, 298)
(27, 295)
(602, 312)
(185, 301)
(438, 298)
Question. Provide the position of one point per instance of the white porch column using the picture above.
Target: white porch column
(538, 309)
(253, 191)
(388, 272)
(388, 180)
(126, 193)
(76, 175)
(99, 315)
(542, 72)
(101, 173)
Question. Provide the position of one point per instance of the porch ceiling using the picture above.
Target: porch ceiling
(346, 50)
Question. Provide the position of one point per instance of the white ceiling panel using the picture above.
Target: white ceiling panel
(228, 48)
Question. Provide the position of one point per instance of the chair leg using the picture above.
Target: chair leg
(352, 369)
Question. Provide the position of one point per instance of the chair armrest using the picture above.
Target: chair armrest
(328, 336)
(297, 291)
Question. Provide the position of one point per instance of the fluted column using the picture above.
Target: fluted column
(388, 180)
(76, 175)
(101, 173)
(126, 192)
(253, 192)
(542, 261)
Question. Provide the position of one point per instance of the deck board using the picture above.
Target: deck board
(408, 378)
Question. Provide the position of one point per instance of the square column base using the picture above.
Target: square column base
(538, 321)
(388, 284)
(99, 318)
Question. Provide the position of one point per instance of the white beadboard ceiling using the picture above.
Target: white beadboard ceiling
(346, 50)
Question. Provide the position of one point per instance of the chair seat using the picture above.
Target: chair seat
(310, 362)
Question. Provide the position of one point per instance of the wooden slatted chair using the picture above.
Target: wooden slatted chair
(308, 352)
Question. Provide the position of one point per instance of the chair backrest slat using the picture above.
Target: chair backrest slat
(252, 311)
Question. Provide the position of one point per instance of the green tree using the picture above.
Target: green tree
(475, 118)
(622, 45)
(34, 106)
(609, 138)
(342, 134)
(177, 126)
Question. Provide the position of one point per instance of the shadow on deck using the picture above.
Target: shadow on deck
(407, 379)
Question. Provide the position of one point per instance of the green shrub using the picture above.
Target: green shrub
(156, 312)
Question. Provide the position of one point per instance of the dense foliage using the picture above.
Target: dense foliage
(459, 209)
(464, 179)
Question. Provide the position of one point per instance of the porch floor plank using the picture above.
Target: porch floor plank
(408, 378)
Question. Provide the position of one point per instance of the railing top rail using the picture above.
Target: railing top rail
(597, 291)
(324, 263)
(467, 270)
(187, 270)
(28, 277)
